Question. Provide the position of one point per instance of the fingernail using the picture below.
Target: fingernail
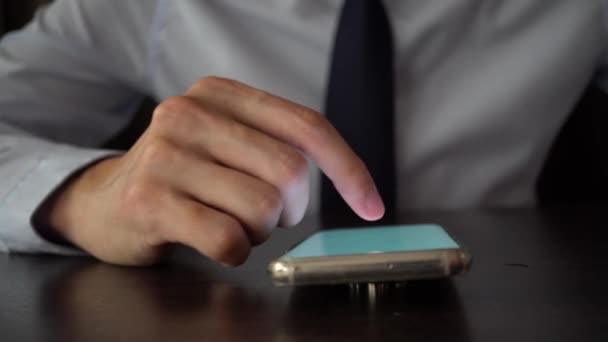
(374, 206)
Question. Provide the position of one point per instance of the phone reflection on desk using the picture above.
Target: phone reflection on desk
(420, 310)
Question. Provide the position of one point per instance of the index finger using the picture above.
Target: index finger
(301, 127)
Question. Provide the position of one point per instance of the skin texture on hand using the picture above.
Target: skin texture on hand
(218, 169)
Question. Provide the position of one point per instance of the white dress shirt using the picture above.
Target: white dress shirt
(482, 86)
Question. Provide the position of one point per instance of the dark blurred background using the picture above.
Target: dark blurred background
(575, 171)
(15, 13)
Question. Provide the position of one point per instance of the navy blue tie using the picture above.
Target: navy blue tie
(360, 99)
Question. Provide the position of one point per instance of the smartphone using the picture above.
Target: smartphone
(371, 254)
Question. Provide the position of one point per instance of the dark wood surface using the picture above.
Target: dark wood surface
(537, 276)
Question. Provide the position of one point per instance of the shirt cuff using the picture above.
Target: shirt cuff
(16, 231)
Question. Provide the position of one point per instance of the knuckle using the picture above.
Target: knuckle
(312, 123)
(231, 247)
(268, 206)
(158, 152)
(261, 97)
(174, 114)
(291, 167)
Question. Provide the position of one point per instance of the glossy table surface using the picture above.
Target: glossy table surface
(537, 276)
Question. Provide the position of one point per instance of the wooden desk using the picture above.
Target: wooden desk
(537, 276)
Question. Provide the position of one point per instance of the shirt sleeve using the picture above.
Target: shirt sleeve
(69, 81)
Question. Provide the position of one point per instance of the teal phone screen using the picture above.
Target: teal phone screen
(377, 239)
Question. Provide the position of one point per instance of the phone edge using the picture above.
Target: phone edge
(381, 267)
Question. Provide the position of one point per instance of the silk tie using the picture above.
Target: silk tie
(360, 99)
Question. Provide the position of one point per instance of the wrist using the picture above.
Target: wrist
(65, 212)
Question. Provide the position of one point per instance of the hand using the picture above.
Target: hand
(217, 169)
